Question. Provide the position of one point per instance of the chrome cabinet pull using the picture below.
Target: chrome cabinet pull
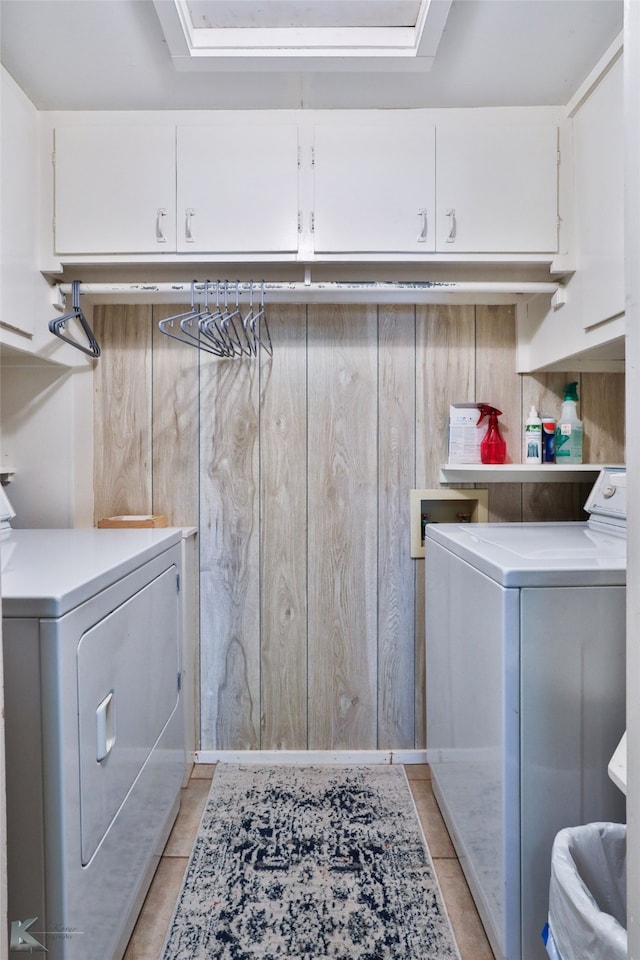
(160, 215)
(422, 236)
(452, 226)
(188, 232)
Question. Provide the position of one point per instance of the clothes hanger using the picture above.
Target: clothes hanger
(184, 320)
(209, 324)
(58, 325)
(229, 326)
(224, 331)
(257, 323)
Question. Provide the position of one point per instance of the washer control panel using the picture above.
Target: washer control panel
(609, 495)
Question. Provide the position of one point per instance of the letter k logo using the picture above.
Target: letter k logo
(21, 940)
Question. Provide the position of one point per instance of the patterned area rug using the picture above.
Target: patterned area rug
(306, 863)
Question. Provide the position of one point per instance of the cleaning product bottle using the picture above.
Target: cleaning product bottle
(548, 438)
(493, 449)
(532, 452)
(569, 428)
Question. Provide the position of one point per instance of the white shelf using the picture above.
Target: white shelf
(520, 472)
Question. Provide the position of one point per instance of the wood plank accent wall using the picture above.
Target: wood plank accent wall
(296, 470)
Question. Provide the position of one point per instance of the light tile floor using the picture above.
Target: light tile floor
(148, 936)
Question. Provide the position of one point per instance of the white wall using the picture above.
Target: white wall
(43, 414)
(632, 249)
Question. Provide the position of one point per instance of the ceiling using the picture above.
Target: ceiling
(122, 54)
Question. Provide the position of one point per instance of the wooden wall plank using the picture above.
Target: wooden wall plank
(396, 569)
(342, 385)
(122, 411)
(498, 383)
(602, 413)
(283, 552)
(229, 554)
(176, 409)
(445, 374)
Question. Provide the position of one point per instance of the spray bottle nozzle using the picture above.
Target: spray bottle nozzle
(486, 410)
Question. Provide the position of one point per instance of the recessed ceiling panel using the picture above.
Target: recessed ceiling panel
(301, 34)
(225, 14)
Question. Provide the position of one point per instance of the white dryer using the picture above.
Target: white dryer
(525, 679)
(94, 730)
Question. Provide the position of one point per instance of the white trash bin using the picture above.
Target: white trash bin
(588, 893)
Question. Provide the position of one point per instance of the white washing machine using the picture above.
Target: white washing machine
(94, 731)
(525, 633)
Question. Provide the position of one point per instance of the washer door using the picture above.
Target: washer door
(128, 667)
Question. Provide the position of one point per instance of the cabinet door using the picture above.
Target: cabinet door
(115, 189)
(496, 189)
(373, 188)
(238, 188)
(18, 201)
(598, 131)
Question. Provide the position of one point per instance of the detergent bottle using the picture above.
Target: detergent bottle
(493, 448)
(569, 428)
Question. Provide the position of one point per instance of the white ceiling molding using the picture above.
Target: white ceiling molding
(254, 46)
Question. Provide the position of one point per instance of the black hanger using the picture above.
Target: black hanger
(57, 325)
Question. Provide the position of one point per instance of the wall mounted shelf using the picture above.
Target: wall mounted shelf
(520, 472)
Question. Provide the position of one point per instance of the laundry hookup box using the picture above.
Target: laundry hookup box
(465, 435)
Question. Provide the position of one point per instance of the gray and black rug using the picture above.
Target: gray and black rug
(310, 862)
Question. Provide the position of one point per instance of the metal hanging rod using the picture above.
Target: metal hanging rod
(227, 331)
(397, 291)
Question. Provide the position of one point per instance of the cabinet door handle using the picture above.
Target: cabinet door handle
(160, 215)
(105, 727)
(422, 236)
(188, 233)
(452, 226)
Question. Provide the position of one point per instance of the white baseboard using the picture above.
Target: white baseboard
(311, 756)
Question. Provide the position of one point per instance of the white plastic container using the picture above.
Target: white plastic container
(532, 451)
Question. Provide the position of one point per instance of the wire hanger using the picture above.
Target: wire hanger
(255, 325)
(176, 326)
(222, 331)
(57, 325)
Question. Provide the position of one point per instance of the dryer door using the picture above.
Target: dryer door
(128, 666)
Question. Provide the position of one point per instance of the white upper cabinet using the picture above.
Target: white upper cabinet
(361, 184)
(598, 144)
(497, 188)
(237, 188)
(115, 189)
(373, 188)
